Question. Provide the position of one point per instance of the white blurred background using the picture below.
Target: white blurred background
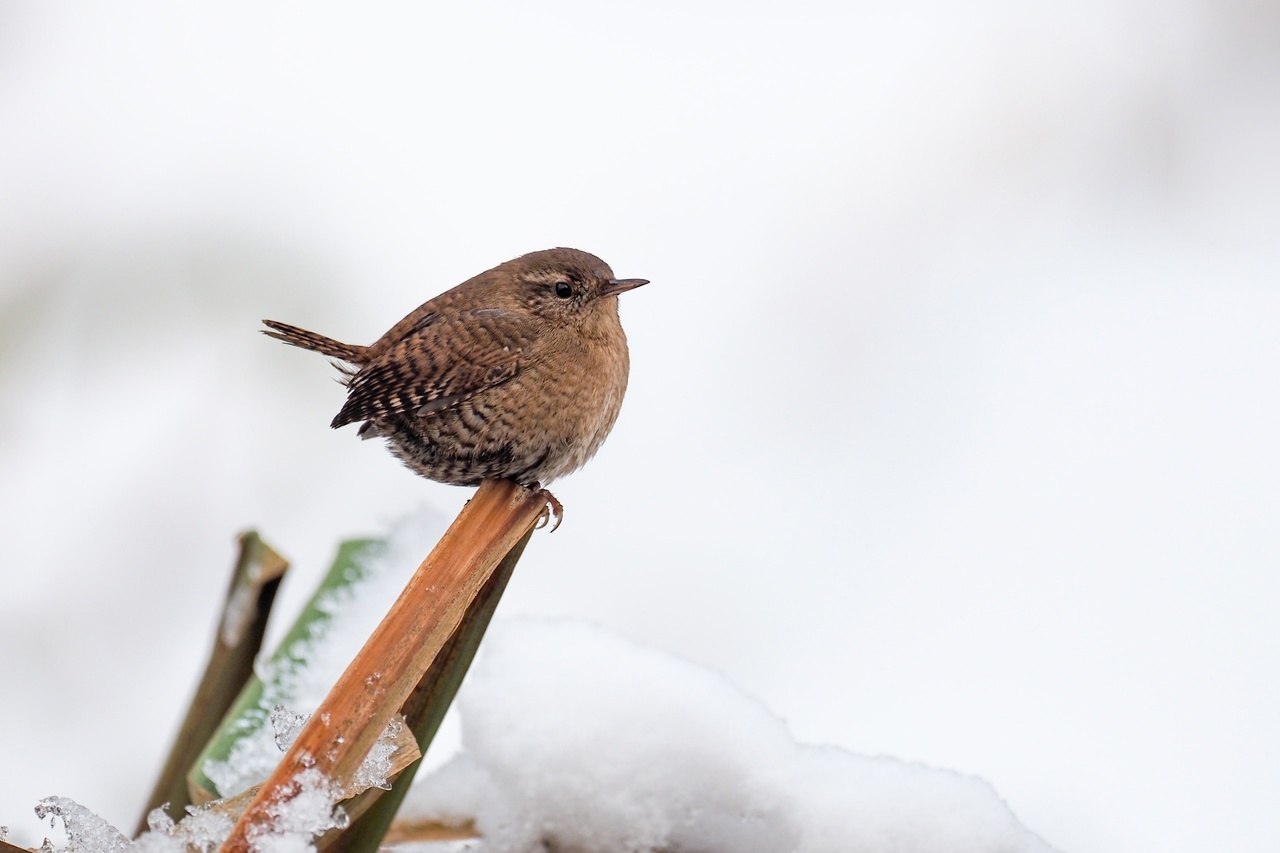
(952, 428)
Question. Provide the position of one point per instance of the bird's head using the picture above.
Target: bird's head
(567, 285)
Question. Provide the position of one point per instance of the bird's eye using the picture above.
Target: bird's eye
(563, 290)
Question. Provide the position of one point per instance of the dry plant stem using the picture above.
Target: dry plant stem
(373, 688)
(6, 847)
(254, 581)
(426, 831)
(424, 710)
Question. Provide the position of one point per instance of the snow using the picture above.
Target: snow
(299, 819)
(86, 831)
(579, 738)
(377, 767)
(294, 824)
(202, 829)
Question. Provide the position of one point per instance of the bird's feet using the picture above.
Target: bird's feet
(554, 510)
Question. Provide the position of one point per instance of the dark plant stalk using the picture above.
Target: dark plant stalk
(255, 579)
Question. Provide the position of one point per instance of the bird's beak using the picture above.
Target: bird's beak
(622, 285)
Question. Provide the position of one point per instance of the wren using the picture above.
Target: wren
(517, 373)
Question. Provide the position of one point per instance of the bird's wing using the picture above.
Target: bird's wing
(445, 359)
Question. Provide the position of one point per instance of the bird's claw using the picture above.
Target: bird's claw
(554, 510)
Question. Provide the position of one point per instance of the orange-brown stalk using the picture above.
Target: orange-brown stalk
(401, 649)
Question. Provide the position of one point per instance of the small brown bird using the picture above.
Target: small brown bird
(517, 373)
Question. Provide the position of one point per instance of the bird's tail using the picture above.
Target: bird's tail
(316, 343)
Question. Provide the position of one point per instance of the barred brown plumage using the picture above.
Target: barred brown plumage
(517, 373)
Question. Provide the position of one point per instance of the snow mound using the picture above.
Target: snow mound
(579, 740)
